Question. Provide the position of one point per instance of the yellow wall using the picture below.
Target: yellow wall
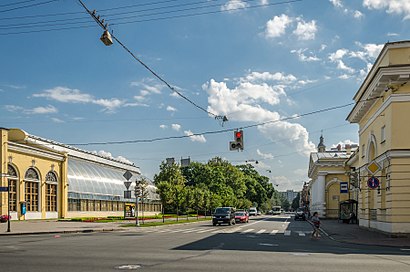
(43, 161)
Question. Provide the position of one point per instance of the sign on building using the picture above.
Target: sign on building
(344, 188)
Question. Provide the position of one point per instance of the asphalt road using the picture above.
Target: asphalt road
(270, 243)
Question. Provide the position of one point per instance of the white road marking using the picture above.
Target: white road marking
(205, 230)
(261, 231)
(274, 232)
(264, 244)
(248, 230)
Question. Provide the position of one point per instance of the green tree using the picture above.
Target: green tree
(171, 179)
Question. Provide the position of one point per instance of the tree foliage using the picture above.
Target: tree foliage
(202, 187)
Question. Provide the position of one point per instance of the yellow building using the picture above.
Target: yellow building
(329, 183)
(382, 164)
(52, 180)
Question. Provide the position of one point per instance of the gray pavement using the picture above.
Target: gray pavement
(347, 233)
(352, 233)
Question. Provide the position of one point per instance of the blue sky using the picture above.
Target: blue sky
(261, 63)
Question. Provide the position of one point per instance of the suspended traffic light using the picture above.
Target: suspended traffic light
(237, 142)
(239, 139)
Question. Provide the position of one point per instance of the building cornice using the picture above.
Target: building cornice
(394, 98)
(26, 149)
(381, 81)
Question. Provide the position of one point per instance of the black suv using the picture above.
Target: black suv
(300, 214)
(224, 215)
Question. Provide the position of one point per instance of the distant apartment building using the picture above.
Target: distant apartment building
(290, 195)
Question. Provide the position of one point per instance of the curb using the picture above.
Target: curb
(57, 232)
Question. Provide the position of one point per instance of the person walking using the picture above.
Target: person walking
(316, 225)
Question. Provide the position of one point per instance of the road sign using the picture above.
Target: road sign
(127, 184)
(373, 167)
(4, 189)
(373, 182)
(127, 175)
(343, 188)
(127, 194)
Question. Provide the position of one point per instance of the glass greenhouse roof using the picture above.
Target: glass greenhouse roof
(89, 180)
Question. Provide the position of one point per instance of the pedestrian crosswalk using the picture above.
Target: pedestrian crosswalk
(237, 230)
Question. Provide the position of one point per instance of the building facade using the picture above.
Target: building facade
(47, 179)
(329, 184)
(382, 165)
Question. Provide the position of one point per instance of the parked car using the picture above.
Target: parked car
(223, 215)
(300, 214)
(253, 211)
(241, 217)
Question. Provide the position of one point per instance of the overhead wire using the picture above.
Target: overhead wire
(226, 130)
(117, 21)
(17, 3)
(29, 6)
(172, 88)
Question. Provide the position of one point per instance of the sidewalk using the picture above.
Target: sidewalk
(55, 226)
(352, 233)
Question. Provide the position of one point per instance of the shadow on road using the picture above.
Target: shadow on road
(269, 243)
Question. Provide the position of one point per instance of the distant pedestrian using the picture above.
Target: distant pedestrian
(316, 225)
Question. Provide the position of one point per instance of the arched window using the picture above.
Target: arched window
(31, 185)
(12, 182)
(51, 192)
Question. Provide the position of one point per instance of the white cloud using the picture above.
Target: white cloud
(234, 5)
(266, 76)
(284, 183)
(345, 76)
(264, 2)
(43, 110)
(276, 27)
(391, 6)
(13, 108)
(171, 109)
(306, 30)
(266, 156)
(176, 127)
(305, 58)
(342, 66)
(357, 14)
(337, 3)
(344, 143)
(163, 126)
(195, 138)
(242, 104)
(110, 105)
(67, 95)
(57, 120)
(339, 54)
(108, 155)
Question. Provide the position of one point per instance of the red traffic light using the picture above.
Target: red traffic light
(238, 134)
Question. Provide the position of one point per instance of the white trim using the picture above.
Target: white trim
(15, 147)
(392, 98)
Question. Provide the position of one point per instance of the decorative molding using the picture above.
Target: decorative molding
(25, 149)
(394, 98)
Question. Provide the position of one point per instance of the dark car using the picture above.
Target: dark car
(300, 214)
(241, 216)
(223, 215)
